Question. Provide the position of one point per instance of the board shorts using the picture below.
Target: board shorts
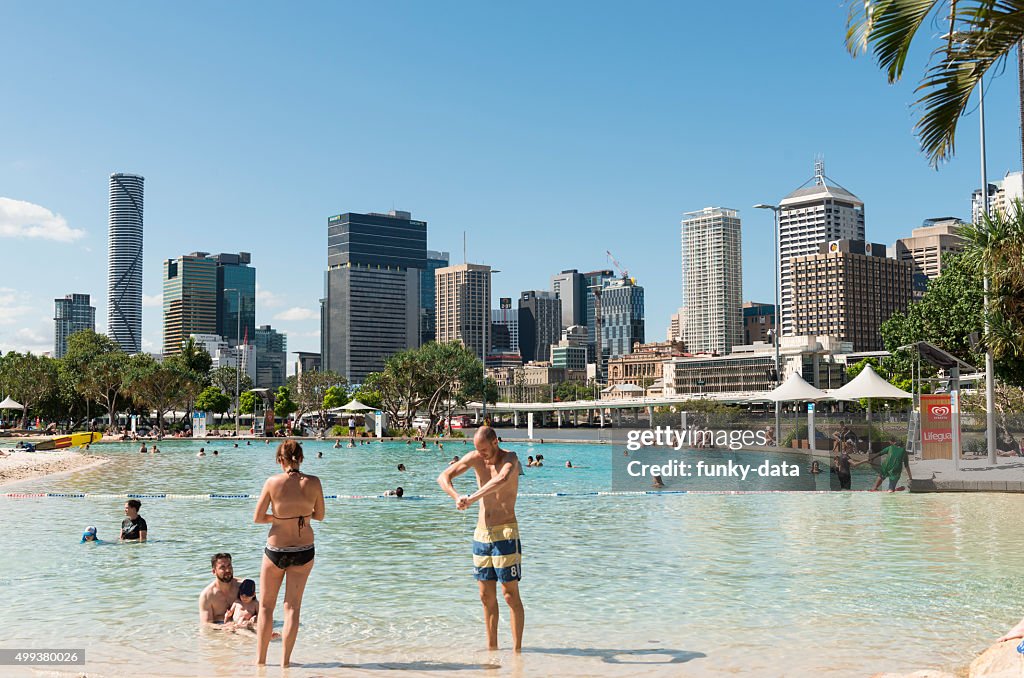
(497, 553)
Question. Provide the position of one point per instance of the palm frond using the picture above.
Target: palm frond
(887, 28)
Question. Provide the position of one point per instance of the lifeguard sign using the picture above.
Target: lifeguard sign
(936, 426)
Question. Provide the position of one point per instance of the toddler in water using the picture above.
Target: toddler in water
(243, 612)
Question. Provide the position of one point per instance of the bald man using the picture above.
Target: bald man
(497, 551)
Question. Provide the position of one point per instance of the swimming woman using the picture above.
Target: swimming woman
(294, 498)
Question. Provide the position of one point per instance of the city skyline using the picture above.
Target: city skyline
(272, 199)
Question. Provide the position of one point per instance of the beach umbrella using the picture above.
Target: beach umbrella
(795, 389)
(9, 404)
(355, 406)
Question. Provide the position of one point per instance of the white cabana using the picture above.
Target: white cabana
(355, 406)
(9, 404)
(795, 389)
(868, 384)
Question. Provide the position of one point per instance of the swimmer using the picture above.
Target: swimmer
(243, 612)
(153, 450)
(401, 467)
(143, 450)
(215, 453)
(351, 442)
(423, 445)
(455, 460)
(568, 464)
(202, 452)
(530, 461)
(440, 446)
(319, 455)
(248, 442)
(337, 444)
(397, 492)
(815, 469)
(658, 483)
(236, 445)
(89, 535)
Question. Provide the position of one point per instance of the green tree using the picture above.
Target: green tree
(283, 403)
(369, 393)
(224, 379)
(98, 368)
(310, 389)
(212, 399)
(30, 380)
(978, 34)
(336, 396)
(247, 403)
(195, 358)
(160, 387)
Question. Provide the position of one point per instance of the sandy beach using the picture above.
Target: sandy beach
(18, 466)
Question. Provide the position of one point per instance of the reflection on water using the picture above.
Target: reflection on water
(793, 584)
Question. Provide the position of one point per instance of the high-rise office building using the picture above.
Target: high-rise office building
(371, 305)
(464, 306)
(507, 319)
(71, 314)
(676, 323)
(925, 248)
(540, 324)
(124, 261)
(818, 212)
(190, 299)
(306, 361)
(571, 288)
(622, 317)
(758, 322)
(428, 297)
(712, 253)
(592, 280)
(571, 350)
(271, 358)
(236, 296)
(848, 289)
(1002, 194)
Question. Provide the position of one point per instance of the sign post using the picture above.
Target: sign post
(810, 427)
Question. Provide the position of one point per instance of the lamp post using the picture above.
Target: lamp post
(778, 311)
(238, 353)
(990, 369)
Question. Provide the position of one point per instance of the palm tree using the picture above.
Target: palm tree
(979, 35)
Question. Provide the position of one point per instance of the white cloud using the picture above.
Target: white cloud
(21, 219)
(153, 300)
(14, 306)
(269, 299)
(297, 313)
(21, 327)
(29, 335)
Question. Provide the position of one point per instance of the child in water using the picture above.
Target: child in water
(243, 612)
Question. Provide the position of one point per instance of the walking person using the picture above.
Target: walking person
(896, 460)
(497, 551)
(293, 498)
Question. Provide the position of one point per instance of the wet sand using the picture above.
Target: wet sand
(19, 466)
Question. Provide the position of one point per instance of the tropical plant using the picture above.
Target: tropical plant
(29, 379)
(212, 399)
(194, 357)
(979, 34)
(283, 403)
(160, 387)
(247, 403)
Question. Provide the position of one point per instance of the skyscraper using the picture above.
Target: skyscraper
(540, 324)
(809, 216)
(464, 305)
(622, 317)
(571, 288)
(371, 305)
(925, 248)
(71, 314)
(428, 311)
(271, 358)
(124, 261)
(190, 299)
(236, 297)
(1002, 194)
(592, 280)
(507, 318)
(712, 255)
(848, 289)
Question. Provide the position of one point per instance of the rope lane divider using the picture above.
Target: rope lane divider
(342, 497)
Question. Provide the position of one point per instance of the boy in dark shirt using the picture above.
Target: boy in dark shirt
(133, 527)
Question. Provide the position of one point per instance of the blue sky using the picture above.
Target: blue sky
(548, 132)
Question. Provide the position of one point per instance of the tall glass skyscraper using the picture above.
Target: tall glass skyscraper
(622, 316)
(428, 308)
(235, 273)
(371, 305)
(124, 261)
(190, 299)
(71, 314)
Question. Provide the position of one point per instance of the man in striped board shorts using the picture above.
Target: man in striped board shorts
(497, 551)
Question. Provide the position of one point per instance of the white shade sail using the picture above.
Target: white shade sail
(795, 388)
(868, 384)
(9, 404)
(355, 406)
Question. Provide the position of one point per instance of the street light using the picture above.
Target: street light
(484, 344)
(778, 311)
(238, 353)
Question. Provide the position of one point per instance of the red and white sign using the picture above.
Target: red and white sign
(936, 426)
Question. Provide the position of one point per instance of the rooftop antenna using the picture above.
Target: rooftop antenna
(819, 169)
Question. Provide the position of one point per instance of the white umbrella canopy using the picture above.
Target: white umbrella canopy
(795, 388)
(9, 404)
(355, 406)
(868, 384)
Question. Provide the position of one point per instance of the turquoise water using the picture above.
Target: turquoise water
(680, 585)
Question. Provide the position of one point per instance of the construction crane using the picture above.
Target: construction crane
(623, 272)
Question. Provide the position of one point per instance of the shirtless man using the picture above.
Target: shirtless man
(217, 598)
(497, 552)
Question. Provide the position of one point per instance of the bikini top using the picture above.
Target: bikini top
(301, 519)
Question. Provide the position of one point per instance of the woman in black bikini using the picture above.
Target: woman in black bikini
(294, 499)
